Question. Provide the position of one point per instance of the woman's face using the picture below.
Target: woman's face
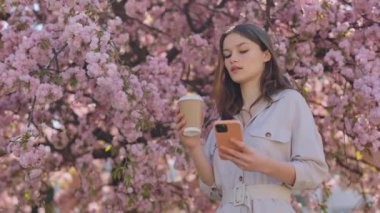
(243, 58)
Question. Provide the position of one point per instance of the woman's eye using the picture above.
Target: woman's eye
(241, 51)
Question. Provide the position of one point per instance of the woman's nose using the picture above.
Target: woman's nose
(233, 58)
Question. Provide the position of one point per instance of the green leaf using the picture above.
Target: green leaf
(25, 139)
(21, 26)
(108, 148)
(43, 72)
(57, 80)
(100, 34)
(114, 151)
(144, 125)
(26, 84)
(146, 191)
(27, 196)
(131, 98)
(116, 174)
(73, 81)
(44, 44)
(127, 180)
(325, 5)
(182, 204)
(125, 87)
(131, 202)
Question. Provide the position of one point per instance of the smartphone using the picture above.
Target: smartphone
(227, 129)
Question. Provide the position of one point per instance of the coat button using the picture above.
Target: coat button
(241, 178)
(268, 135)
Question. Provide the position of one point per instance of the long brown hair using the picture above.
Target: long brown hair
(227, 93)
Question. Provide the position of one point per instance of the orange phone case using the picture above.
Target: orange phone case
(227, 129)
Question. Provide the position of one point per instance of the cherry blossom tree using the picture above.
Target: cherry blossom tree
(88, 90)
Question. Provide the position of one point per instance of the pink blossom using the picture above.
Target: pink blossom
(48, 93)
(105, 77)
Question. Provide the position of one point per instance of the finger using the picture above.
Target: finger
(225, 151)
(238, 143)
(178, 111)
(178, 118)
(237, 161)
(180, 131)
(180, 123)
(242, 165)
(241, 147)
(230, 151)
(224, 156)
(177, 128)
(241, 156)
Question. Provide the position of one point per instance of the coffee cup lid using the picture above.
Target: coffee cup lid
(190, 97)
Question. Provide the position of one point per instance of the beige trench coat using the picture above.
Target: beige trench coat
(284, 130)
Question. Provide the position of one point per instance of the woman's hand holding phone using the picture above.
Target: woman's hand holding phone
(244, 157)
(230, 142)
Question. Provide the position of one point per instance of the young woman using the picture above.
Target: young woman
(282, 149)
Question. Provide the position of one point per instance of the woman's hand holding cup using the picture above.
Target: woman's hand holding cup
(189, 120)
(190, 142)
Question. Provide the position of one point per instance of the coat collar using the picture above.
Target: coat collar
(264, 104)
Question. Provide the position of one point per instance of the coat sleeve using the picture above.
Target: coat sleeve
(209, 148)
(307, 155)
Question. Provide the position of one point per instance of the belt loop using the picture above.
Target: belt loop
(240, 194)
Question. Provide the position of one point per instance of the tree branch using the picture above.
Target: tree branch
(118, 9)
(193, 28)
(55, 58)
(349, 168)
(268, 7)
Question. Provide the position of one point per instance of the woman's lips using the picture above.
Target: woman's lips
(235, 69)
